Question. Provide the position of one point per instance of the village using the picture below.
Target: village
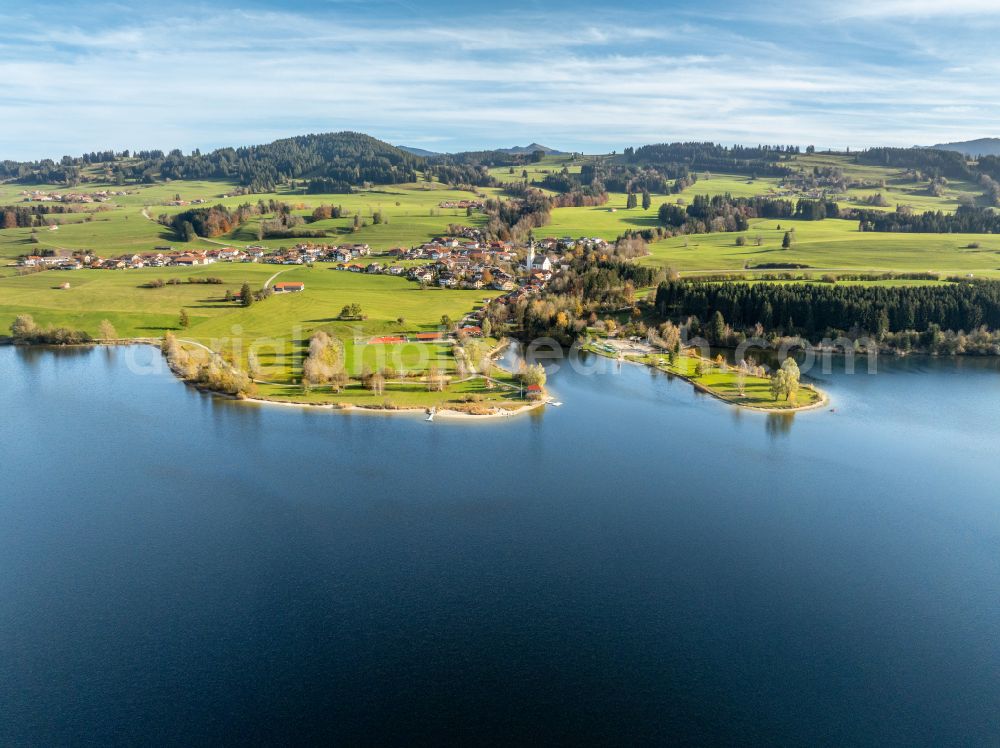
(452, 262)
(41, 196)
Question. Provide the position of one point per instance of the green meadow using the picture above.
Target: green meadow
(548, 165)
(830, 245)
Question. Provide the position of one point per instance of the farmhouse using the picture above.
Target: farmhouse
(289, 287)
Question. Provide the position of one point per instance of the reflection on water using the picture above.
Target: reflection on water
(31, 355)
(641, 565)
(779, 424)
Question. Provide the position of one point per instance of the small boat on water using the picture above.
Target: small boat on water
(553, 402)
(430, 414)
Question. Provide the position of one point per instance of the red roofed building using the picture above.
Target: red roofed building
(289, 287)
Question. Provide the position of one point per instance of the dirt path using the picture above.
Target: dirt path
(267, 283)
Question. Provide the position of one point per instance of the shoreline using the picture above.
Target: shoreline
(441, 412)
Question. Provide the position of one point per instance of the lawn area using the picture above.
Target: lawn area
(406, 394)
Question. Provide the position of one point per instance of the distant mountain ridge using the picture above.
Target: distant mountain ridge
(517, 150)
(528, 149)
(422, 152)
(973, 148)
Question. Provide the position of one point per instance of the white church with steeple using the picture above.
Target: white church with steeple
(536, 263)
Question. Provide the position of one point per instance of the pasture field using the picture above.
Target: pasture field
(548, 165)
(732, 184)
(916, 197)
(607, 221)
(830, 245)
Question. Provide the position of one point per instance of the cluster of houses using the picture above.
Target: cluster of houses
(469, 263)
(444, 247)
(305, 254)
(463, 204)
(41, 196)
(159, 258)
(177, 202)
(568, 244)
(34, 261)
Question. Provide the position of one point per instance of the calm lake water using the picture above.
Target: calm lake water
(641, 565)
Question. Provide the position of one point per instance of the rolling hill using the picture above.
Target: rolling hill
(973, 148)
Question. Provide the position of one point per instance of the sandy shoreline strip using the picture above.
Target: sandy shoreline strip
(441, 412)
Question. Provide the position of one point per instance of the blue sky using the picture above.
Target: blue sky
(590, 76)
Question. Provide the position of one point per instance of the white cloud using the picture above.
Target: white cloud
(457, 84)
(920, 8)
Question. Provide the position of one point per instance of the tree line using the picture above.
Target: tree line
(815, 311)
(761, 160)
(26, 216)
(932, 162)
(965, 220)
